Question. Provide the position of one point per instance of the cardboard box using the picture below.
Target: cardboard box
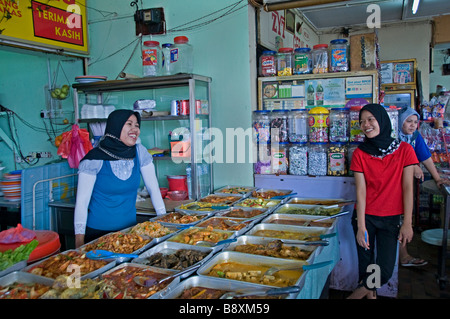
(441, 25)
(363, 52)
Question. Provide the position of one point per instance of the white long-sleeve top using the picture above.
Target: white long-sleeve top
(87, 175)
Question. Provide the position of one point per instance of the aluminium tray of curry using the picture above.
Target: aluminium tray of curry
(245, 191)
(181, 219)
(320, 201)
(238, 267)
(290, 234)
(268, 193)
(201, 287)
(221, 199)
(238, 225)
(252, 202)
(193, 235)
(247, 213)
(196, 207)
(303, 209)
(264, 246)
(168, 248)
(299, 220)
(20, 277)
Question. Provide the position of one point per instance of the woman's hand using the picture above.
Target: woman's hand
(418, 173)
(362, 238)
(406, 234)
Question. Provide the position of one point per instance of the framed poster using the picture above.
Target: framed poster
(398, 72)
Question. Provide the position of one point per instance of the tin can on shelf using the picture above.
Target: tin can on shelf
(339, 125)
(337, 155)
(320, 58)
(267, 64)
(302, 61)
(183, 107)
(284, 61)
(318, 124)
(339, 56)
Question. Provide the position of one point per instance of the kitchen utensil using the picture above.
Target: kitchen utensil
(273, 270)
(283, 196)
(255, 292)
(149, 282)
(211, 244)
(105, 254)
(329, 217)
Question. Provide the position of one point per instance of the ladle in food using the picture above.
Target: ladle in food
(283, 196)
(149, 281)
(332, 216)
(258, 292)
(105, 254)
(273, 270)
(211, 244)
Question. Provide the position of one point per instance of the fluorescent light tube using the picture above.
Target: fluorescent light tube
(415, 6)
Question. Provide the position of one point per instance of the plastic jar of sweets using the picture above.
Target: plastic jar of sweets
(263, 163)
(298, 125)
(280, 160)
(284, 61)
(182, 55)
(261, 126)
(351, 148)
(318, 121)
(151, 58)
(356, 135)
(267, 64)
(302, 61)
(320, 58)
(279, 126)
(337, 155)
(393, 115)
(317, 159)
(339, 125)
(339, 56)
(298, 159)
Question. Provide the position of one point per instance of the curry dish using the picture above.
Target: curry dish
(283, 234)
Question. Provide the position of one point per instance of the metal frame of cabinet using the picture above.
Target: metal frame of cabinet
(151, 83)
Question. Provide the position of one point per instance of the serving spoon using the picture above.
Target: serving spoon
(149, 281)
(105, 254)
(259, 292)
(211, 244)
(273, 270)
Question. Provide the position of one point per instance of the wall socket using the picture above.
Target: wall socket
(33, 155)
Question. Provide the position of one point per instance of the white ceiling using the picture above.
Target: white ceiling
(353, 13)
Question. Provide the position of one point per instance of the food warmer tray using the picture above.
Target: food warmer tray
(110, 264)
(169, 247)
(284, 209)
(212, 283)
(298, 219)
(180, 225)
(231, 235)
(255, 240)
(237, 198)
(245, 192)
(169, 272)
(16, 267)
(210, 212)
(269, 204)
(320, 201)
(249, 224)
(232, 256)
(282, 192)
(298, 229)
(24, 278)
(255, 219)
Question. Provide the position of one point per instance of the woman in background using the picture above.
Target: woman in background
(109, 177)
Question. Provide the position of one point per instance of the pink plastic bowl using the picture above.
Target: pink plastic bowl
(177, 195)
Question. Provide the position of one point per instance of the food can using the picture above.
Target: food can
(183, 108)
(174, 107)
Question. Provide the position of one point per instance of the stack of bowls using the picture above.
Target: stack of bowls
(11, 186)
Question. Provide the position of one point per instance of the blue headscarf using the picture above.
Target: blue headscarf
(403, 114)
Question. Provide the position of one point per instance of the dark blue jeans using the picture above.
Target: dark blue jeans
(383, 239)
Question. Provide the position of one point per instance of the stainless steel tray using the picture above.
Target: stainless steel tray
(215, 248)
(159, 218)
(15, 267)
(212, 283)
(25, 278)
(269, 204)
(255, 219)
(248, 223)
(227, 256)
(298, 229)
(300, 220)
(168, 247)
(169, 272)
(283, 191)
(245, 191)
(302, 209)
(187, 208)
(319, 201)
(95, 273)
(255, 240)
(236, 198)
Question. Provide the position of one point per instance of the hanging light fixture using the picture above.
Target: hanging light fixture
(415, 6)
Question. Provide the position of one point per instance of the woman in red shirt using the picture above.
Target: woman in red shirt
(383, 170)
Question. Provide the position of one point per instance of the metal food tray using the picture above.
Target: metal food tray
(299, 229)
(211, 212)
(91, 275)
(227, 256)
(15, 267)
(274, 203)
(322, 201)
(249, 224)
(284, 191)
(246, 194)
(255, 240)
(180, 225)
(215, 248)
(212, 283)
(169, 247)
(237, 197)
(295, 217)
(255, 219)
(284, 209)
(24, 278)
(169, 272)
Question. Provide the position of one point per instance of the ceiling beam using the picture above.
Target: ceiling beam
(297, 4)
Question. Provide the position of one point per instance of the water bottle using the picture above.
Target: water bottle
(181, 55)
(166, 61)
(189, 180)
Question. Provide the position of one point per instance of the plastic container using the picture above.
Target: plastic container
(339, 57)
(320, 58)
(339, 125)
(268, 64)
(166, 61)
(337, 155)
(310, 95)
(298, 125)
(356, 135)
(318, 121)
(302, 61)
(298, 159)
(189, 181)
(151, 58)
(393, 115)
(284, 61)
(263, 163)
(319, 94)
(177, 182)
(261, 126)
(182, 55)
(351, 148)
(280, 160)
(279, 126)
(317, 159)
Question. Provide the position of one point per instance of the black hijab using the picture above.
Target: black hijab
(382, 143)
(111, 148)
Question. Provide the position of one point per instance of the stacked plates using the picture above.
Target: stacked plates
(89, 78)
(11, 186)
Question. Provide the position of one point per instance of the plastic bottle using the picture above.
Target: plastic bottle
(319, 94)
(189, 180)
(151, 58)
(310, 97)
(181, 55)
(166, 62)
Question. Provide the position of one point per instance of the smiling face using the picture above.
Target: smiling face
(130, 131)
(369, 124)
(410, 124)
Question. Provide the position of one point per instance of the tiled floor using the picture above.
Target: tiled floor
(417, 282)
